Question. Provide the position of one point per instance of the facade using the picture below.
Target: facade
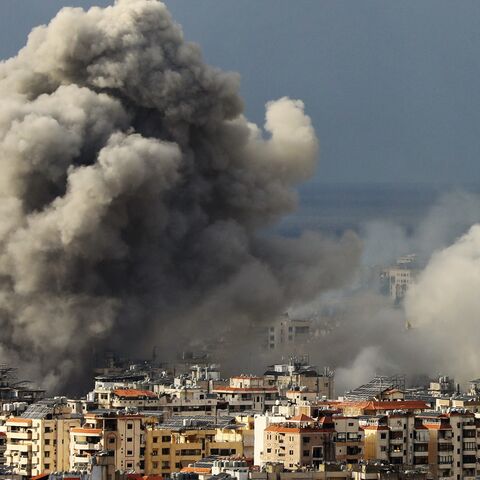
(397, 279)
(120, 435)
(120, 398)
(299, 442)
(287, 333)
(247, 393)
(189, 401)
(38, 445)
(169, 449)
(298, 375)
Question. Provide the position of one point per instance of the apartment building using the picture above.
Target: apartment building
(121, 398)
(121, 435)
(355, 409)
(397, 278)
(349, 439)
(247, 393)
(287, 333)
(300, 441)
(298, 375)
(38, 441)
(189, 401)
(174, 445)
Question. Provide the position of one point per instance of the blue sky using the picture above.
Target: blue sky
(392, 86)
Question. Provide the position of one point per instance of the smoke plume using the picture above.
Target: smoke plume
(133, 190)
(365, 334)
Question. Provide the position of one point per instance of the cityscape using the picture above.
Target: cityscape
(239, 240)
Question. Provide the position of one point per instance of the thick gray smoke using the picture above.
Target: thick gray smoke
(368, 334)
(132, 189)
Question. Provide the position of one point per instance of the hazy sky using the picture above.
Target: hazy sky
(392, 86)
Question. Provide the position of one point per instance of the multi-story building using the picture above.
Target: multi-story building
(286, 333)
(181, 441)
(349, 439)
(189, 401)
(119, 434)
(38, 441)
(121, 398)
(299, 375)
(300, 441)
(247, 393)
(397, 279)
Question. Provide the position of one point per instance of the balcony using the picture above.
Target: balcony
(11, 448)
(19, 435)
(421, 453)
(81, 459)
(87, 446)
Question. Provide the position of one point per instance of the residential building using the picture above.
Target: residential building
(286, 333)
(121, 398)
(397, 279)
(38, 441)
(300, 441)
(247, 393)
(119, 434)
(299, 375)
(178, 442)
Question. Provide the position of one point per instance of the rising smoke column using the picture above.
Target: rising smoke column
(445, 305)
(132, 189)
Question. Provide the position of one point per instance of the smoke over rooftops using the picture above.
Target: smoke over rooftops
(131, 190)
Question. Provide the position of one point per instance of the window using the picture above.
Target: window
(383, 448)
(155, 439)
(269, 450)
(383, 436)
(129, 426)
(154, 453)
(47, 441)
(306, 439)
(130, 452)
(111, 440)
(165, 451)
(129, 439)
(306, 453)
(166, 438)
(155, 464)
(47, 454)
(178, 465)
(129, 465)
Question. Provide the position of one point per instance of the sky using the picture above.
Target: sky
(392, 87)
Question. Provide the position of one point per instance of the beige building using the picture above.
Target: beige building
(299, 442)
(287, 333)
(247, 393)
(299, 376)
(170, 449)
(398, 278)
(349, 439)
(121, 398)
(189, 401)
(121, 435)
(39, 441)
